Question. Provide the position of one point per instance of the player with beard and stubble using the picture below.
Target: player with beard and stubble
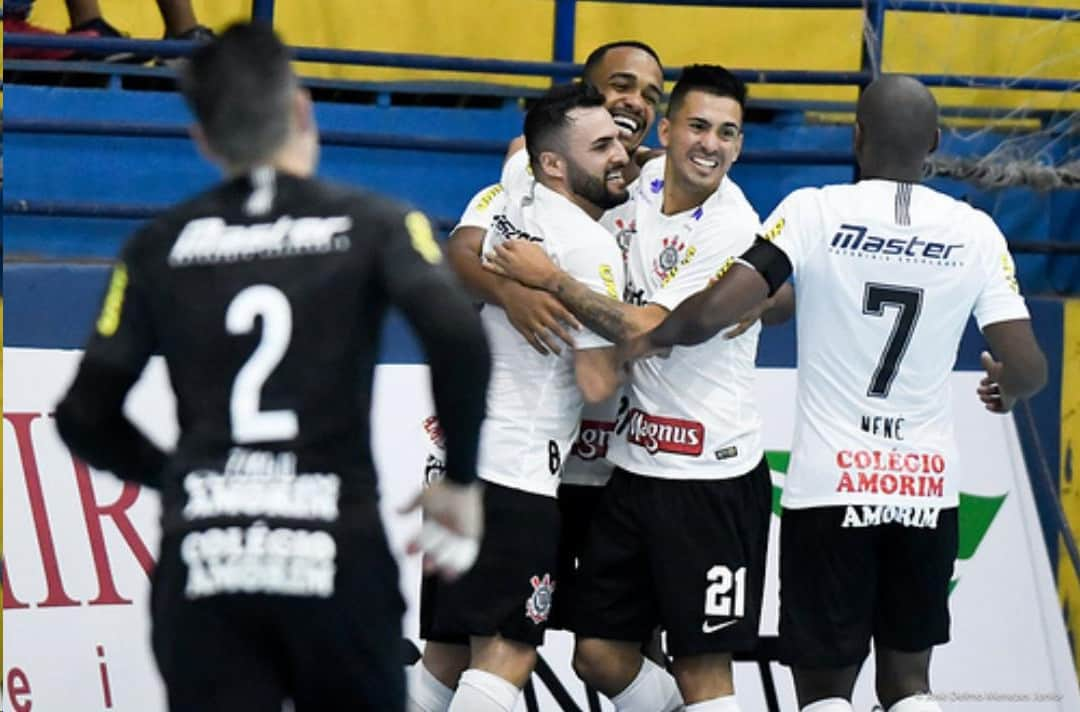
(494, 617)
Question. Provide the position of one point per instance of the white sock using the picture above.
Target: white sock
(653, 690)
(831, 704)
(727, 703)
(480, 691)
(425, 692)
(916, 703)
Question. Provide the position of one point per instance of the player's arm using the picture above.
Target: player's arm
(90, 417)
(1017, 368)
(751, 279)
(598, 373)
(448, 327)
(457, 352)
(612, 319)
(777, 309)
(540, 319)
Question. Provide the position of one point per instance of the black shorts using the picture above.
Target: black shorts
(688, 555)
(247, 652)
(577, 508)
(840, 587)
(510, 588)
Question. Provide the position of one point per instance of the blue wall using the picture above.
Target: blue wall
(143, 171)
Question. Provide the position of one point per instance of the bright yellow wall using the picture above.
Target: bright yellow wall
(744, 38)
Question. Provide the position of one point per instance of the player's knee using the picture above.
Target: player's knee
(511, 660)
(445, 662)
(605, 665)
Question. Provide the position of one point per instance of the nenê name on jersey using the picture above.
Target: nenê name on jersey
(261, 484)
(659, 434)
(505, 229)
(592, 439)
(854, 239)
(908, 474)
(258, 559)
(884, 426)
(211, 240)
(878, 514)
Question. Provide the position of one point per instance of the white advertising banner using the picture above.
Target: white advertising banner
(79, 546)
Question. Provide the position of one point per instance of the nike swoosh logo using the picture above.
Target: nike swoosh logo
(707, 627)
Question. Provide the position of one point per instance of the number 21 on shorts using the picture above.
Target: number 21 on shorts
(726, 595)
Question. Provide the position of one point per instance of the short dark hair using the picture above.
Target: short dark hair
(240, 88)
(597, 56)
(546, 122)
(710, 78)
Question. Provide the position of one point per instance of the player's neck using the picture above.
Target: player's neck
(679, 198)
(592, 210)
(897, 173)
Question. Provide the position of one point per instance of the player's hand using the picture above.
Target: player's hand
(453, 527)
(989, 390)
(539, 317)
(523, 261)
(644, 154)
(639, 347)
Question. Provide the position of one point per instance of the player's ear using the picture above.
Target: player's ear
(552, 164)
(663, 131)
(858, 141)
(303, 114)
(198, 137)
(937, 141)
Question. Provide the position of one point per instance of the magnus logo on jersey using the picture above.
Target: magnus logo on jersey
(910, 474)
(673, 255)
(592, 440)
(855, 239)
(211, 240)
(659, 434)
(505, 229)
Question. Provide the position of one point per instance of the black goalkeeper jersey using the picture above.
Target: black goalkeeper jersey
(266, 296)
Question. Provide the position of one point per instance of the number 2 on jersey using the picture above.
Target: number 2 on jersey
(909, 301)
(249, 424)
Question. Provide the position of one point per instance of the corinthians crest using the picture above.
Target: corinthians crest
(673, 254)
(538, 606)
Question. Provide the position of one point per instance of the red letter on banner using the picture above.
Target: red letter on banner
(93, 513)
(57, 596)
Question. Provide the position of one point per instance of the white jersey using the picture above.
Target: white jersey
(691, 415)
(586, 463)
(886, 275)
(534, 405)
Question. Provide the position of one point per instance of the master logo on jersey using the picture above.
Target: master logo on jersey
(109, 320)
(673, 255)
(538, 606)
(423, 241)
(855, 241)
(506, 230)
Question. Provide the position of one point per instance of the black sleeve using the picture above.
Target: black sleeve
(92, 424)
(770, 261)
(449, 328)
(90, 417)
